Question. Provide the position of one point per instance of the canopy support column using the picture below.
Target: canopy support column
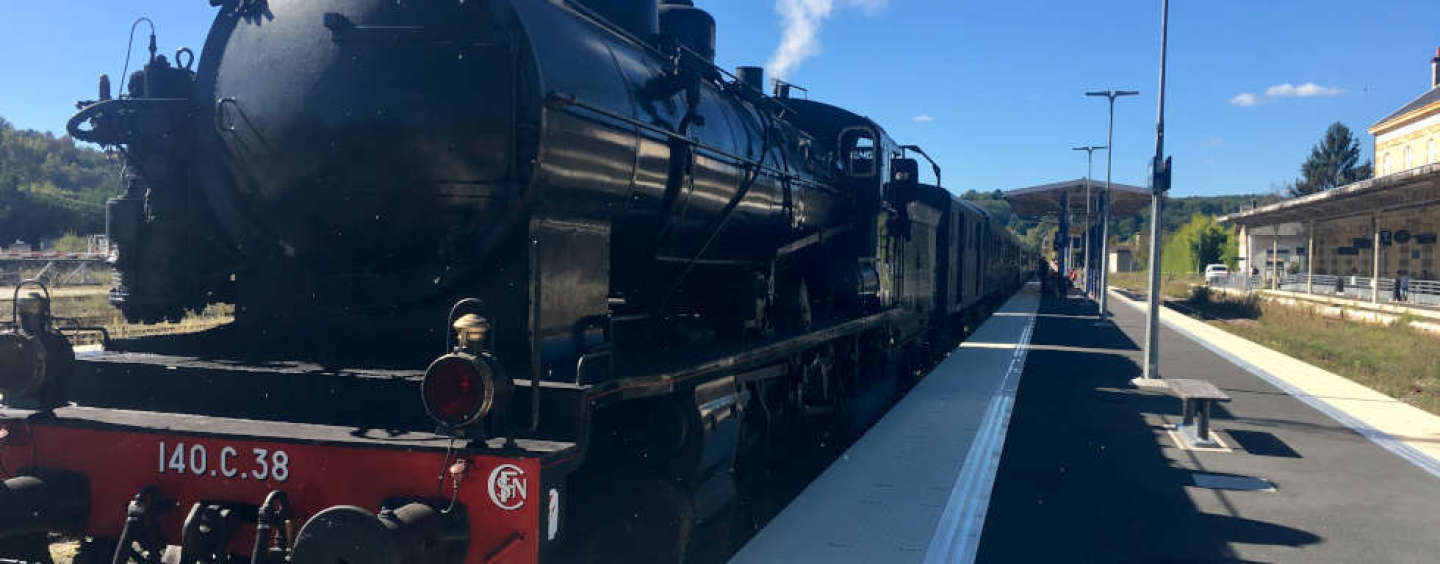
(1275, 257)
(1375, 258)
(1310, 258)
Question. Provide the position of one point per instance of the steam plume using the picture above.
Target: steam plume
(801, 21)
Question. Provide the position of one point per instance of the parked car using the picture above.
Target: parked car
(1216, 273)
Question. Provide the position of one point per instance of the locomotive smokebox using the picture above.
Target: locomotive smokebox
(360, 139)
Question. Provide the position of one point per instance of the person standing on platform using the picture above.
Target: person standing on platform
(1056, 280)
(1042, 273)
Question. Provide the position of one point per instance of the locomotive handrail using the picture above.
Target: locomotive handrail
(76, 326)
(101, 136)
(745, 161)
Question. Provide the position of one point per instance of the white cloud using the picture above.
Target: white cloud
(1216, 141)
(1310, 89)
(800, 22)
(1244, 99)
(1287, 90)
(1307, 90)
(1280, 91)
(923, 118)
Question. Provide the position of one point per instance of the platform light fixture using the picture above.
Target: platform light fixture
(1105, 196)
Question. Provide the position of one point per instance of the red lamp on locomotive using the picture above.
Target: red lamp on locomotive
(463, 388)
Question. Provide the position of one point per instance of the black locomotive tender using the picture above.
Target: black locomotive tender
(690, 268)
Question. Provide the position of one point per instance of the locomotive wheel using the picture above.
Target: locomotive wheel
(633, 514)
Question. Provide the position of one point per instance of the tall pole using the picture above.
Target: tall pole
(1105, 217)
(1089, 221)
(1062, 240)
(1104, 203)
(1089, 268)
(1159, 183)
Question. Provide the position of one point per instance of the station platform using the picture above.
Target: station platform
(915, 486)
(1314, 470)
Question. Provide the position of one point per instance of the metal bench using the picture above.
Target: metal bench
(1196, 396)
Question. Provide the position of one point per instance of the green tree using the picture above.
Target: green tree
(1334, 161)
(1199, 242)
(1178, 211)
(49, 185)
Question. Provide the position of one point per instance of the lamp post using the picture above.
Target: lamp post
(1089, 270)
(1159, 184)
(1105, 196)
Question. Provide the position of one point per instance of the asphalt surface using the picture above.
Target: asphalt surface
(1089, 473)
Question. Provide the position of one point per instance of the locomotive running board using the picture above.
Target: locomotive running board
(662, 378)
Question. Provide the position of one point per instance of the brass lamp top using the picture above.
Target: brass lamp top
(471, 328)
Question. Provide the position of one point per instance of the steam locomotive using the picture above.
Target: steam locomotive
(513, 281)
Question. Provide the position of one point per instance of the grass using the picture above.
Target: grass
(1397, 360)
(90, 306)
(1171, 285)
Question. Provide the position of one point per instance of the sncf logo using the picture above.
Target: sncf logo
(507, 487)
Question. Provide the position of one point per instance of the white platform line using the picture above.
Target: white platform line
(957, 535)
(1386, 441)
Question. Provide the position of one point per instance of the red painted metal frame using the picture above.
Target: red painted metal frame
(119, 463)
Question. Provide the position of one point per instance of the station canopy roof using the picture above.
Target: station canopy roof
(1043, 202)
(1415, 187)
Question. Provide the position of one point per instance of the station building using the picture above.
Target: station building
(1375, 229)
(1410, 136)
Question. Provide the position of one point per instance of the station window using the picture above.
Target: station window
(1407, 158)
(1434, 156)
(857, 147)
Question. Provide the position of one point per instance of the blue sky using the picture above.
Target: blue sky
(1001, 82)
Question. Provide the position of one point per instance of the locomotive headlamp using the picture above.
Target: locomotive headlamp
(464, 387)
(460, 389)
(34, 357)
